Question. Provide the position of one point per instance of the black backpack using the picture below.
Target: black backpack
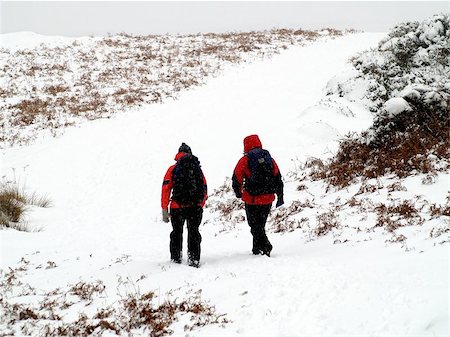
(262, 178)
(188, 185)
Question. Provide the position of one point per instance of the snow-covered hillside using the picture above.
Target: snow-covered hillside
(49, 83)
(333, 271)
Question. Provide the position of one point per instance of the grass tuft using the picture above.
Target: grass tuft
(14, 203)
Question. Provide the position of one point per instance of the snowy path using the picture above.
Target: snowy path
(104, 179)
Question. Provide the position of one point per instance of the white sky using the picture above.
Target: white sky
(72, 18)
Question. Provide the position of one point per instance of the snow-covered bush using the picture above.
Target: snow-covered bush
(408, 136)
(406, 83)
(402, 115)
(413, 60)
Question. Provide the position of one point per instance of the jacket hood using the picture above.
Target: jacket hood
(179, 155)
(251, 142)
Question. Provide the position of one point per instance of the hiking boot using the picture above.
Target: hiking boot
(267, 251)
(178, 260)
(257, 251)
(194, 263)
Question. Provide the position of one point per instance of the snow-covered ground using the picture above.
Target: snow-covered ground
(104, 179)
(30, 40)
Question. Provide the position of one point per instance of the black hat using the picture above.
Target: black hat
(185, 148)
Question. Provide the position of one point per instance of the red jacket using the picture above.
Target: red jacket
(168, 185)
(242, 171)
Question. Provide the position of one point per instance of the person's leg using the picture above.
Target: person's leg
(262, 215)
(194, 219)
(257, 217)
(176, 236)
(252, 212)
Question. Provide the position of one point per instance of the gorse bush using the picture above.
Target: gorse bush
(413, 56)
(14, 202)
(407, 87)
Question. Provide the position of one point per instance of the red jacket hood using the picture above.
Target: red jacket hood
(179, 155)
(251, 142)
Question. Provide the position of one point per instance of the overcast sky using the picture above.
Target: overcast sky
(71, 18)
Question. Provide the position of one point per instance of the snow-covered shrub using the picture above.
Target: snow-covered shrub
(411, 140)
(405, 82)
(414, 57)
(401, 116)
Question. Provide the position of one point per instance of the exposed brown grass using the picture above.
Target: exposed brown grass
(14, 202)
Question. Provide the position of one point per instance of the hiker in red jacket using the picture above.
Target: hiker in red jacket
(184, 188)
(256, 179)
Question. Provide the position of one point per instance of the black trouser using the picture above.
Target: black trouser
(193, 217)
(257, 217)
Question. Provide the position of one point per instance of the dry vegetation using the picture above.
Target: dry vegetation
(407, 91)
(53, 87)
(410, 143)
(406, 80)
(283, 221)
(347, 215)
(394, 216)
(14, 202)
(29, 311)
(227, 209)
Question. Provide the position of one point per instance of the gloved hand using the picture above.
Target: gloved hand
(165, 215)
(280, 201)
(238, 195)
